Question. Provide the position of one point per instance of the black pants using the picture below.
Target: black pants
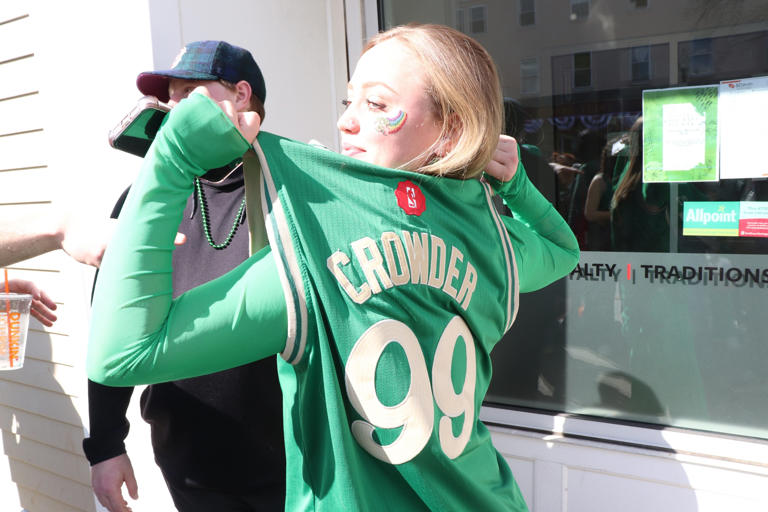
(196, 499)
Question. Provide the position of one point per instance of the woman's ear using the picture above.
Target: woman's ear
(450, 136)
(243, 93)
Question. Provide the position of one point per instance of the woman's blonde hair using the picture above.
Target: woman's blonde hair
(633, 177)
(463, 84)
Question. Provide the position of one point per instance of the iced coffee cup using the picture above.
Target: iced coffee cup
(14, 322)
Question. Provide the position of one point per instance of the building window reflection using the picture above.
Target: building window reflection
(582, 70)
(641, 63)
(477, 16)
(527, 12)
(579, 9)
(529, 76)
(461, 21)
(701, 57)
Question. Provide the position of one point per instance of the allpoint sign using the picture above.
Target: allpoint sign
(711, 218)
(725, 218)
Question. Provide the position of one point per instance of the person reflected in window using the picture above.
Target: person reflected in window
(535, 163)
(566, 168)
(639, 211)
(597, 207)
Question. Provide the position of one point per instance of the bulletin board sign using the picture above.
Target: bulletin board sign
(680, 134)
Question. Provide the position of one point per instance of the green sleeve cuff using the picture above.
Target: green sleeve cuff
(520, 195)
(186, 137)
(508, 190)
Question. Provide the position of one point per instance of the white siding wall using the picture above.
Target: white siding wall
(67, 75)
(299, 45)
(568, 464)
(56, 105)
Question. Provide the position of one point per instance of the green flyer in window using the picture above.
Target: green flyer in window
(680, 134)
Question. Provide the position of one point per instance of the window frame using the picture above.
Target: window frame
(625, 433)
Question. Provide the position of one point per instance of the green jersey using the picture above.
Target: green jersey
(383, 290)
(399, 285)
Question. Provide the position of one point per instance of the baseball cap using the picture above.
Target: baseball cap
(205, 60)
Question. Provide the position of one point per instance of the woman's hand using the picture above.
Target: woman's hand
(503, 165)
(247, 123)
(42, 305)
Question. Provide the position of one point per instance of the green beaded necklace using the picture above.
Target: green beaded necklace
(207, 227)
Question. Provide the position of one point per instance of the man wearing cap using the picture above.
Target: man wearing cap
(218, 439)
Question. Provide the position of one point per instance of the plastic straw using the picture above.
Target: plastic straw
(8, 316)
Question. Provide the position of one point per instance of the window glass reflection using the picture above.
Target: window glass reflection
(654, 325)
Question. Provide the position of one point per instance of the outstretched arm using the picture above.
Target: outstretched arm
(82, 238)
(139, 334)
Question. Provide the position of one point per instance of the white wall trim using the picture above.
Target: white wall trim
(726, 449)
(362, 19)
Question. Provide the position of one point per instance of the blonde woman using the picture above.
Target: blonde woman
(388, 279)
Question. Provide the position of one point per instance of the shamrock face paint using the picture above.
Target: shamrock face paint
(389, 125)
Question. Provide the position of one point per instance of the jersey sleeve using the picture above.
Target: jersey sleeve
(545, 247)
(139, 333)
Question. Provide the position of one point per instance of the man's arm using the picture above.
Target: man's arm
(105, 448)
(140, 334)
(84, 239)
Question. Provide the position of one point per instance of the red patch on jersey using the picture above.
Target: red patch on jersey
(410, 198)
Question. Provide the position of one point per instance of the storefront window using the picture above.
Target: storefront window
(655, 109)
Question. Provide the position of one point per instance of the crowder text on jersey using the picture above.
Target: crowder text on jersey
(428, 261)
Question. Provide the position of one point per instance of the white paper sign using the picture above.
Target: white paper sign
(685, 137)
(742, 111)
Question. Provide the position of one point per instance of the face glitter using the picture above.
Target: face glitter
(389, 125)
